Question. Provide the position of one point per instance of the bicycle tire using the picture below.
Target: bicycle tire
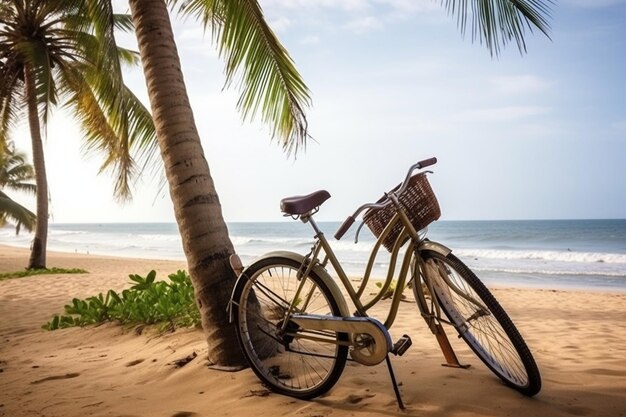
(490, 334)
(288, 365)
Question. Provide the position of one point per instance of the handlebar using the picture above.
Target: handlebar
(386, 201)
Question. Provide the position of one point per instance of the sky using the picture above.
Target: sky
(534, 136)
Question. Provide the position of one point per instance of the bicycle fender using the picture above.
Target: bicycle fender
(435, 247)
(321, 272)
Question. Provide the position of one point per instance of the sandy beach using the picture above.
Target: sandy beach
(577, 337)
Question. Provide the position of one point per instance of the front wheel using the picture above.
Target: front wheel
(482, 322)
(289, 360)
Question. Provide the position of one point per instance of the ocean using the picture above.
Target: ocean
(528, 253)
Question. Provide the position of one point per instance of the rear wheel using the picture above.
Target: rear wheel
(482, 322)
(289, 360)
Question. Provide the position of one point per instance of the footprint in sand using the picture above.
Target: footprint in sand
(52, 378)
(135, 362)
(356, 398)
(263, 392)
(185, 414)
(607, 372)
(579, 411)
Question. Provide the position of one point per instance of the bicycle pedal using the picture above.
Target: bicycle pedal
(402, 345)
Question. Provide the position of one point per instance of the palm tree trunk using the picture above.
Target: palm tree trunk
(38, 250)
(196, 204)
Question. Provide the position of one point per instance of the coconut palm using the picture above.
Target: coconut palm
(15, 174)
(270, 84)
(58, 52)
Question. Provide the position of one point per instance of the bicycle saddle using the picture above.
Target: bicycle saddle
(302, 204)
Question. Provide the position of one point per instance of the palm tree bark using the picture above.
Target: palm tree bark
(197, 208)
(38, 250)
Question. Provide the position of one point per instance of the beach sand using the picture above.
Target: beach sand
(577, 337)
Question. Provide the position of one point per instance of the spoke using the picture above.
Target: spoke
(482, 330)
(308, 359)
(269, 293)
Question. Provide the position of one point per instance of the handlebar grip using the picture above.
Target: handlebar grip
(427, 162)
(344, 227)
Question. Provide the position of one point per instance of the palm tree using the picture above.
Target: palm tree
(16, 175)
(56, 52)
(270, 84)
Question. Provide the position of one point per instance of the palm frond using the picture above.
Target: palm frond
(105, 56)
(123, 22)
(17, 177)
(143, 139)
(128, 57)
(259, 64)
(114, 120)
(498, 22)
(9, 209)
(10, 86)
(115, 125)
(15, 172)
(100, 134)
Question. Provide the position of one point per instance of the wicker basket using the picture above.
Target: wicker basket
(420, 205)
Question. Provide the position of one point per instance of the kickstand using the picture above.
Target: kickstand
(395, 385)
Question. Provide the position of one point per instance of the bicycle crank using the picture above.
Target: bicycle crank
(370, 340)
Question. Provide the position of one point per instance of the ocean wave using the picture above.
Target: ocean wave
(545, 255)
(296, 243)
(160, 237)
(56, 232)
(249, 240)
(531, 271)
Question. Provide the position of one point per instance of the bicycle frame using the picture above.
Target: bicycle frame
(322, 245)
(431, 312)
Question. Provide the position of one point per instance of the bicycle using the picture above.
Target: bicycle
(296, 330)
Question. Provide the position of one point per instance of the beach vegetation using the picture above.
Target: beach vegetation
(46, 271)
(55, 53)
(167, 305)
(17, 175)
(390, 291)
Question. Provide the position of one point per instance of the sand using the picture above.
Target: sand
(578, 339)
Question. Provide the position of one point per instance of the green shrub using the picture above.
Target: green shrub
(30, 272)
(170, 304)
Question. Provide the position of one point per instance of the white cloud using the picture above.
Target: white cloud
(358, 16)
(592, 4)
(310, 40)
(365, 24)
(188, 33)
(281, 24)
(520, 84)
(409, 6)
(406, 6)
(502, 114)
(347, 5)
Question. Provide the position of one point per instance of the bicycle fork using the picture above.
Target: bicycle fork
(432, 315)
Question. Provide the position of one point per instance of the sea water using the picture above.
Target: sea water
(538, 253)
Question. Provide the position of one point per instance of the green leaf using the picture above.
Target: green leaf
(114, 297)
(151, 276)
(260, 65)
(148, 302)
(137, 278)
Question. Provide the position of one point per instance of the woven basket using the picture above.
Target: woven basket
(419, 203)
